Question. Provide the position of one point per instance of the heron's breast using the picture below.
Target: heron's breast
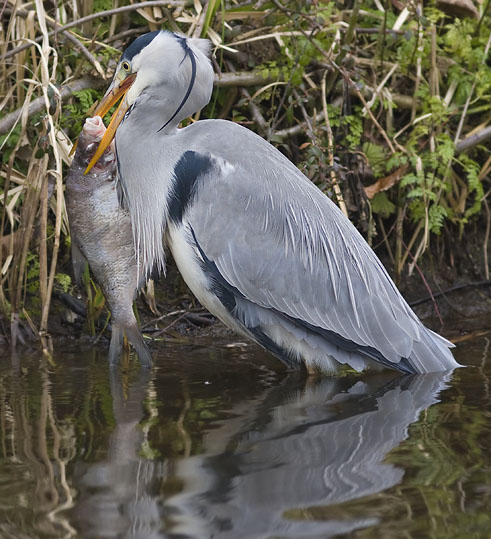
(188, 262)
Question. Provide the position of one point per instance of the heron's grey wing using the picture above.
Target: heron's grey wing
(279, 243)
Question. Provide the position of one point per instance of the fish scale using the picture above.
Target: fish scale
(102, 234)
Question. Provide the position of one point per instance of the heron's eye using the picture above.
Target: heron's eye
(126, 66)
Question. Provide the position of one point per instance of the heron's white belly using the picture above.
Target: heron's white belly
(187, 258)
(309, 348)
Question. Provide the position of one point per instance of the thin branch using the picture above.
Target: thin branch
(242, 78)
(370, 113)
(85, 51)
(69, 36)
(330, 149)
(38, 104)
(486, 239)
(306, 117)
(255, 113)
(254, 109)
(473, 140)
(471, 92)
(297, 129)
(478, 284)
(427, 286)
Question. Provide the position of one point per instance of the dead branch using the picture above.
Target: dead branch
(243, 78)
(473, 140)
(224, 80)
(478, 284)
(38, 104)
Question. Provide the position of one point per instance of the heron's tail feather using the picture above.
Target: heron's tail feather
(432, 353)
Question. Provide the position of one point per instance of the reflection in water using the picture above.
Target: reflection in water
(115, 495)
(35, 449)
(213, 443)
(324, 444)
(297, 444)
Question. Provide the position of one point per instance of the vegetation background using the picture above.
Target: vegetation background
(384, 104)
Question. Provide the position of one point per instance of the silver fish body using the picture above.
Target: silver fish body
(101, 233)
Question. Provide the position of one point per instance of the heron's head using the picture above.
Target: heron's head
(158, 68)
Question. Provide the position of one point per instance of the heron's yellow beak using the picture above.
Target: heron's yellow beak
(118, 88)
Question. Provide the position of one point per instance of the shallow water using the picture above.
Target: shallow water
(217, 441)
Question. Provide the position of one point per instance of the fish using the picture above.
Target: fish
(102, 236)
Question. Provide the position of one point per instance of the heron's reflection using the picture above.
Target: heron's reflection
(321, 445)
(296, 445)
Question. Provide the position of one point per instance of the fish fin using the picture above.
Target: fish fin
(79, 263)
(136, 339)
(121, 196)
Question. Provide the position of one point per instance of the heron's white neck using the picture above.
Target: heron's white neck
(146, 160)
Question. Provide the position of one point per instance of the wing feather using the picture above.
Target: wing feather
(285, 246)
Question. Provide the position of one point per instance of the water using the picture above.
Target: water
(219, 442)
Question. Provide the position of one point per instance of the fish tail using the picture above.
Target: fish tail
(116, 345)
(136, 339)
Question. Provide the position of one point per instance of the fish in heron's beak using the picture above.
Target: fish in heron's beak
(118, 88)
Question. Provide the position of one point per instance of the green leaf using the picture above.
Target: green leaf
(99, 299)
(382, 205)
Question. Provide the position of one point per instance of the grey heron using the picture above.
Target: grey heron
(258, 244)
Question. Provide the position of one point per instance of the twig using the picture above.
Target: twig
(473, 140)
(198, 29)
(386, 240)
(330, 149)
(127, 33)
(486, 239)
(471, 92)
(296, 129)
(419, 48)
(370, 113)
(412, 241)
(455, 288)
(70, 37)
(160, 332)
(427, 286)
(84, 51)
(242, 78)
(256, 113)
(166, 315)
(360, 30)
(350, 33)
(254, 109)
(308, 122)
(309, 18)
(38, 104)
